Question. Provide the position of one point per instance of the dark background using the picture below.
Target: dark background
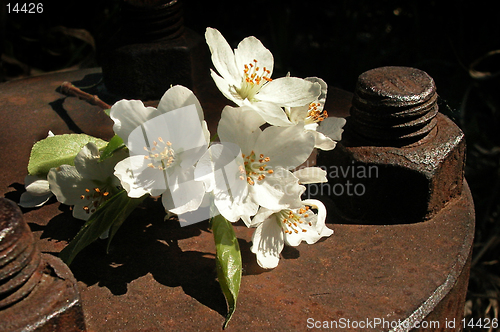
(334, 40)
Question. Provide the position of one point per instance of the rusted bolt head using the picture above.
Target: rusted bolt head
(394, 106)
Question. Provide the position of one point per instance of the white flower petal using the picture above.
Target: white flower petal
(79, 212)
(67, 184)
(36, 185)
(279, 190)
(250, 49)
(289, 91)
(205, 170)
(320, 222)
(323, 142)
(87, 163)
(128, 115)
(221, 169)
(310, 236)
(206, 132)
(262, 215)
(184, 194)
(181, 127)
(287, 147)
(307, 233)
(29, 200)
(227, 89)
(314, 226)
(297, 114)
(177, 97)
(324, 90)
(270, 112)
(138, 179)
(234, 211)
(311, 175)
(37, 192)
(223, 56)
(267, 243)
(239, 126)
(332, 127)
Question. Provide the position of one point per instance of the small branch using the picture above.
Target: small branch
(484, 249)
(69, 89)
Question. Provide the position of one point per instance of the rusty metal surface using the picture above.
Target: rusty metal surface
(449, 311)
(37, 291)
(160, 277)
(152, 51)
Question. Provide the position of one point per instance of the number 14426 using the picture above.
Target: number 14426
(26, 8)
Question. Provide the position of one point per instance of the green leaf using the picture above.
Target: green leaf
(214, 137)
(111, 213)
(126, 210)
(115, 144)
(58, 150)
(228, 261)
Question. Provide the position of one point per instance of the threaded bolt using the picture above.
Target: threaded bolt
(20, 260)
(394, 106)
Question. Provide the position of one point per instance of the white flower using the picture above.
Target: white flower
(87, 184)
(245, 78)
(221, 169)
(326, 130)
(37, 191)
(263, 168)
(290, 226)
(164, 143)
(308, 175)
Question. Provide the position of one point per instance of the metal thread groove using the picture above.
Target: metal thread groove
(20, 260)
(394, 106)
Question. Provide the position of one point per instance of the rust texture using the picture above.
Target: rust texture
(152, 51)
(406, 159)
(158, 276)
(409, 161)
(37, 291)
(394, 106)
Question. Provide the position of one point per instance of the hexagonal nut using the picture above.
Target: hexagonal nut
(390, 185)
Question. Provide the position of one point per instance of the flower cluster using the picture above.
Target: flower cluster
(253, 172)
(268, 196)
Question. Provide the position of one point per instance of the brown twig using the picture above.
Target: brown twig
(69, 89)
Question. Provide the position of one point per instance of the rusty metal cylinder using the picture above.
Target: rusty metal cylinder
(152, 51)
(410, 273)
(151, 21)
(403, 163)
